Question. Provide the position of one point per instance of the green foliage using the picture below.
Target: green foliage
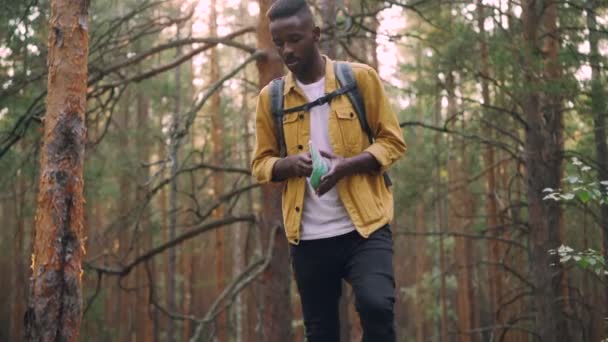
(581, 188)
(589, 259)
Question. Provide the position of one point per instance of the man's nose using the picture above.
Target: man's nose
(287, 49)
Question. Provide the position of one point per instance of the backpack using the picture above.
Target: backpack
(348, 85)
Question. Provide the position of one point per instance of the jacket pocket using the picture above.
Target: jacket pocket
(350, 129)
(290, 132)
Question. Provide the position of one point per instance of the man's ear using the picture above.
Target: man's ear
(316, 34)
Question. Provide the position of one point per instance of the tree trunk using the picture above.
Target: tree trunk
(422, 262)
(422, 267)
(276, 324)
(55, 304)
(239, 245)
(172, 233)
(217, 128)
(144, 313)
(544, 152)
(18, 275)
(460, 212)
(553, 108)
(598, 109)
(440, 223)
(123, 307)
(491, 205)
(8, 267)
(328, 14)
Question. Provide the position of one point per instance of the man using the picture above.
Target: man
(340, 230)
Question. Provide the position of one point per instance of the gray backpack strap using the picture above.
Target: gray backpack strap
(345, 76)
(276, 108)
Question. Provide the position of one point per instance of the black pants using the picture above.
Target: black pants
(367, 264)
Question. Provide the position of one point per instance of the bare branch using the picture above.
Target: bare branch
(199, 229)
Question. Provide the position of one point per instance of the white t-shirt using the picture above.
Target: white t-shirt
(324, 216)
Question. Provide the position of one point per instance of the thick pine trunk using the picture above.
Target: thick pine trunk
(276, 318)
(55, 303)
(543, 158)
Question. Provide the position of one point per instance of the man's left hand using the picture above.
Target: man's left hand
(336, 171)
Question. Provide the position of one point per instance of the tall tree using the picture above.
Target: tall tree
(598, 109)
(460, 212)
(329, 42)
(276, 320)
(55, 303)
(217, 132)
(422, 261)
(440, 223)
(174, 145)
(491, 204)
(123, 303)
(543, 159)
(599, 112)
(18, 275)
(144, 313)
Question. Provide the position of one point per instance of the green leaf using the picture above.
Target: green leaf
(583, 262)
(584, 196)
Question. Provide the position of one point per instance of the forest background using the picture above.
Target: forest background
(501, 220)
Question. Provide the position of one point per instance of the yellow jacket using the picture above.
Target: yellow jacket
(367, 200)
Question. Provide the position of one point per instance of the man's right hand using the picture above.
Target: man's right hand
(297, 165)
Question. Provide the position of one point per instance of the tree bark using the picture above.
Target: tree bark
(217, 128)
(460, 212)
(172, 233)
(543, 158)
(123, 304)
(159, 320)
(276, 324)
(598, 109)
(55, 303)
(491, 206)
(422, 262)
(144, 313)
(328, 15)
(440, 223)
(18, 275)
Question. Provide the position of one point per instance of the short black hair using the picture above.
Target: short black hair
(287, 8)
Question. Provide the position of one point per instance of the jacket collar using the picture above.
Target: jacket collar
(330, 79)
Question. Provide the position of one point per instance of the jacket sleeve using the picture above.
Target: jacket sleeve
(389, 145)
(266, 151)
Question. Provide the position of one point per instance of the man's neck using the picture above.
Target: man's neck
(315, 72)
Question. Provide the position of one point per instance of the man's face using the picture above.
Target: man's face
(295, 38)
